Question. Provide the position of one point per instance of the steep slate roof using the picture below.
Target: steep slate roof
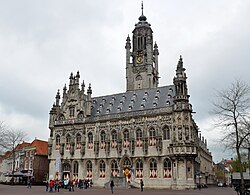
(41, 147)
(142, 99)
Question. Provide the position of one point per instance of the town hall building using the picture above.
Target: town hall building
(147, 132)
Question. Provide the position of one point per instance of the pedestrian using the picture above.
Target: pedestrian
(112, 186)
(46, 185)
(29, 183)
(51, 185)
(142, 185)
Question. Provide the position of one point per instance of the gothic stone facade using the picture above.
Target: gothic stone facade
(144, 133)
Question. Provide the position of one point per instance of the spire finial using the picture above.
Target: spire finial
(142, 8)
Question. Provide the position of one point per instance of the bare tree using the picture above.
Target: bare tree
(232, 110)
(9, 140)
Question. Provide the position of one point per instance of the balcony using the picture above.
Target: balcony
(182, 150)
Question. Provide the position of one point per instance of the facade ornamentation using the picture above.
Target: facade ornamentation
(146, 132)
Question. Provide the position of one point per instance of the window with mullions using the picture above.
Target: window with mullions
(167, 168)
(78, 141)
(138, 138)
(89, 170)
(75, 169)
(113, 139)
(68, 142)
(139, 169)
(90, 141)
(153, 168)
(114, 168)
(126, 138)
(57, 142)
(103, 137)
(71, 112)
(152, 137)
(102, 169)
(166, 133)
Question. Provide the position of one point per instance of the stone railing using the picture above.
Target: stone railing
(182, 150)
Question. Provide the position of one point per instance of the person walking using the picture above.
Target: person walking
(142, 185)
(112, 186)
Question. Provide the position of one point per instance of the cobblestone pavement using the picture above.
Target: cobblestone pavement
(38, 190)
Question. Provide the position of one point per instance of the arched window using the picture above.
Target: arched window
(139, 169)
(125, 138)
(78, 141)
(66, 167)
(114, 168)
(103, 139)
(75, 170)
(89, 170)
(167, 168)
(152, 137)
(90, 141)
(138, 138)
(68, 142)
(102, 169)
(153, 168)
(113, 139)
(57, 142)
(166, 133)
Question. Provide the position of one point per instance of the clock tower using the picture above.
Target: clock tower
(142, 61)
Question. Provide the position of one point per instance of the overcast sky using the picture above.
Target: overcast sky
(42, 42)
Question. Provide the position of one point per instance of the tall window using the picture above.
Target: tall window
(114, 139)
(139, 169)
(57, 142)
(139, 138)
(166, 133)
(71, 112)
(78, 141)
(114, 168)
(102, 169)
(126, 138)
(68, 142)
(90, 141)
(152, 137)
(89, 170)
(75, 170)
(153, 168)
(103, 140)
(167, 168)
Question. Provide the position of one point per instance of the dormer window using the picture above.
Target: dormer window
(71, 112)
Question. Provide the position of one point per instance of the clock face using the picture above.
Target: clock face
(139, 58)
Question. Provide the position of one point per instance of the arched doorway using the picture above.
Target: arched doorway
(126, 166)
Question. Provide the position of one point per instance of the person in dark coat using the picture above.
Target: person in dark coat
(112, 186)
(142, 185)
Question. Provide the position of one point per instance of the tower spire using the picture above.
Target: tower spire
(142, 8)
